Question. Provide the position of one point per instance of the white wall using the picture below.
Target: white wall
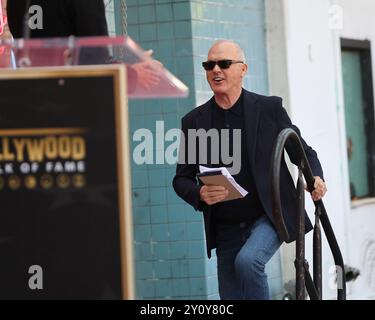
(316, 106)
(359, 24)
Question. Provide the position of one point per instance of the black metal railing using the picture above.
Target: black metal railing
(303, 276)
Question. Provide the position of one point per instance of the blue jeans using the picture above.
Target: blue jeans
(242, 253)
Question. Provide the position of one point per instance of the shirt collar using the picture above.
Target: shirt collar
(236, 108)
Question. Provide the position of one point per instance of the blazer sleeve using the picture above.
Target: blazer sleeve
(284, 122)
(185, 181)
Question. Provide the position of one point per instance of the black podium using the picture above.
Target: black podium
(65, 217)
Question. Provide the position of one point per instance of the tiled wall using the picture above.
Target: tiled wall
(169, 238)
(169, 245)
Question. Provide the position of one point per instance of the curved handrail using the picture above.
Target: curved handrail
(283, 137)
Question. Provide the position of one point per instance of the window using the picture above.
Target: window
(359, 116)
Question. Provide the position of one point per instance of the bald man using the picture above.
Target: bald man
(247, 124)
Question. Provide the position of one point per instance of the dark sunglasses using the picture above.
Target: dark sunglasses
(223, 64)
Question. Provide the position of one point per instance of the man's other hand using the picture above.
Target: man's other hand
(213, 194)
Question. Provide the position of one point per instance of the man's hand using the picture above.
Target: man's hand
(320, 189)
(213, 194)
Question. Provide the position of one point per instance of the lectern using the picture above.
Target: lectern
(65, 215)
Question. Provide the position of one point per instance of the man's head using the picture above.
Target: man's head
(226, 81)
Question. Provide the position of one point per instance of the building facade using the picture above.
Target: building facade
(317, 56)
(330, 81)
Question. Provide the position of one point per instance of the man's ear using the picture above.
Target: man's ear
(244, 69)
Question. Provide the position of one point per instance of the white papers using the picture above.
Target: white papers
(224, 171)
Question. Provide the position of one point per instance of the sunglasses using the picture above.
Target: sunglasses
(223, 64)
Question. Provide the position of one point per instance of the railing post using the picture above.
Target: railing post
(300, 245)
(310, 286)
(317, 254)
(303, 274)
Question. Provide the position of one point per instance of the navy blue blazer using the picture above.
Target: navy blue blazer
(265, 118)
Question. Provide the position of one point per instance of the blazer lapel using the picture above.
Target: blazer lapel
(251, 112)
(204, 119)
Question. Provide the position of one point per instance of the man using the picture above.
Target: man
(242, 231)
